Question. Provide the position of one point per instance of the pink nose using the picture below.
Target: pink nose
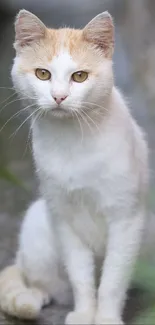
(59, 99)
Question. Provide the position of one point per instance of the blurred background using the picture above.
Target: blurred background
(134, 68)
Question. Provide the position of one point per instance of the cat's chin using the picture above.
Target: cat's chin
(60, 113)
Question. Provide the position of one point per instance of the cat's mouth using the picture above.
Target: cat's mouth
(60, 111)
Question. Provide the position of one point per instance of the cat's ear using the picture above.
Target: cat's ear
(28, 28)
(100, 31)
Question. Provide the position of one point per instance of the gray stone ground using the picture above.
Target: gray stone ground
(13, 199)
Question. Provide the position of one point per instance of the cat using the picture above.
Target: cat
(91, 159)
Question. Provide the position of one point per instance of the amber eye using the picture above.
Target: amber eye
(79, 76)
(43, 74)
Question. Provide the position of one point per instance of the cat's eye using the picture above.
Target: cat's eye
(43, 74)
(80, 76)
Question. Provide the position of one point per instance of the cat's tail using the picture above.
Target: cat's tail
(15, 298)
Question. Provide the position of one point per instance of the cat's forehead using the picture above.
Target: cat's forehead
(61, 49)
(67, 38)
(63, 61)
(68, 48)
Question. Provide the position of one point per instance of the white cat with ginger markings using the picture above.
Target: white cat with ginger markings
(91, 160)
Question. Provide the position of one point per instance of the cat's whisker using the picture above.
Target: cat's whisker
(33, 113)
(80, 113)
(96, 105)
(86, 115)
(27, 142)
(27, 96)
(22, 93)
(85, 120)
(40, 113)
(11, 102)
(5, 100)
(90, 103)
(15, 115)
(80, 125)
(8, 88)
(83, 112)
(30, 130)
(94, 111)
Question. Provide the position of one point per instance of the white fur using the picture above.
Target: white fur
(93, 205)
(62, 67)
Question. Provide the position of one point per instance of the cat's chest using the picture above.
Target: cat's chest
(70, 169)
(75, 181)
(78, 173)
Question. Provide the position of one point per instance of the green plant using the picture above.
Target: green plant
(5, 173)
(145, 279)
(8, 176)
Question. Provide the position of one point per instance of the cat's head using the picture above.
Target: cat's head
(63, 70)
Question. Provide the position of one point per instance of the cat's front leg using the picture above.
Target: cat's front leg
(80, 266)
(122, 247)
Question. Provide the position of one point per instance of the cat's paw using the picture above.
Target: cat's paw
(23, 305)
(80, 318)
(101, 320)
